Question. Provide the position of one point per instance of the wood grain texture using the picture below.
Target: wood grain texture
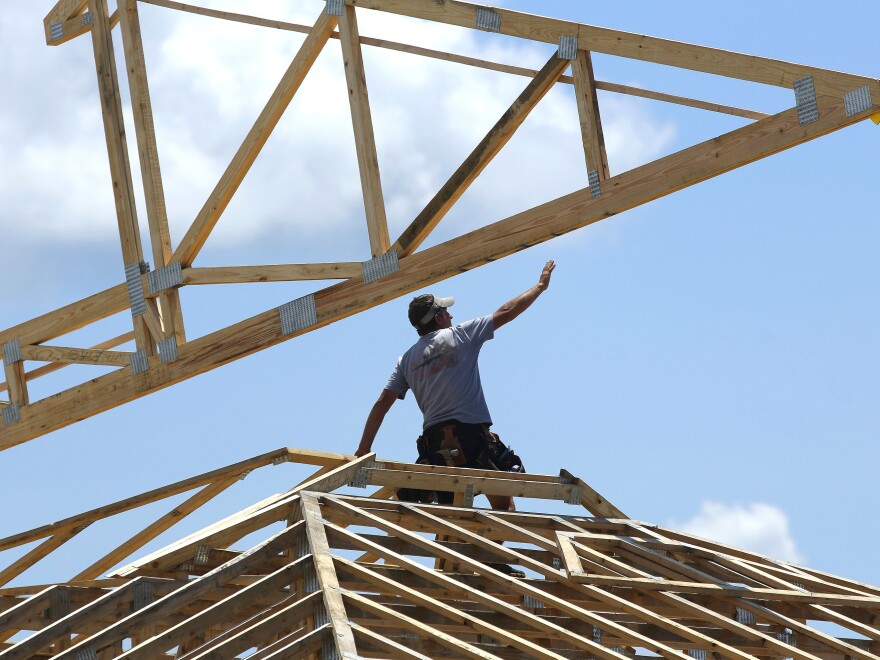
(364, 139)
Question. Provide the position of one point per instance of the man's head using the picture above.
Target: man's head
(428, 313)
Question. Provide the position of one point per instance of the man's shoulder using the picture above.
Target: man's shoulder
(478, 329)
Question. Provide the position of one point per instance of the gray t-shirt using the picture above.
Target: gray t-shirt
(441, 370)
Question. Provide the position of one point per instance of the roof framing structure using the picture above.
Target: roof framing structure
(333, 575)
(163, 354)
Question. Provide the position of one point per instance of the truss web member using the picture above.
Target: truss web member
(441, 369)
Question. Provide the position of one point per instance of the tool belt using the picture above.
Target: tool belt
(456, 444)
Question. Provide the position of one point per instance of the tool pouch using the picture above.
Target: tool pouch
(501, 455)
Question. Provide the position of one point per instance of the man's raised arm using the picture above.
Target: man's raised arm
(513, 308)
(374, 421)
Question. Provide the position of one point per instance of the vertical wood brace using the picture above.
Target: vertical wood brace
(117, 151)
(16, 381)
(157, 216)
(588, 112)
(365, 141)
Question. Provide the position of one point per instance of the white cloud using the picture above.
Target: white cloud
(759, 527)
(209, 80)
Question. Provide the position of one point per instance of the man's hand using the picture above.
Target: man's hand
(544, 280)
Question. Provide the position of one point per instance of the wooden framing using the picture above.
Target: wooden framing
(163, 319)
(596, 586)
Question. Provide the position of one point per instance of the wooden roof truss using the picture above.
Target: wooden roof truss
(341, 576)
(164, 355)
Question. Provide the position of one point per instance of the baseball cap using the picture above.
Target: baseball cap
(423, 308)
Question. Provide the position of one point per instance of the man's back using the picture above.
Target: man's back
(442, 370)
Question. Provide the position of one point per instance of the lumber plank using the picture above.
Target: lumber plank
(16, 382)
(140, 500)
(520, 487)
(117, 152)
(238, 525)
(49, 368)
(489, 147)
(139, 540)
(399, 650)
(462, 59)
(635, 46)
(620, 193)
(192, 590)
(43, 353)
(73, 622)
(74, 316)
(588, 115)
(43, 550)
(216, 612)
(272, 273)
(364, 139)
(148, 153)
(63, 12)
(253, 143)
(460, 617)
(294, 646)
(478, 595)
(420, 628)
(343, 637)
(556, 576)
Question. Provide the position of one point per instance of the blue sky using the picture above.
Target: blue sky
(708, 360)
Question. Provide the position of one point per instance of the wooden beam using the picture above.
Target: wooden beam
(434, 605)
(252, 633)
(63, 12)
(29, 648)
(195, 589)
(71, 317)
(239, 525)
(117, 151)
(620, 193)
(364, 140)
(634, 46)
(76, 355)
(142, 499)
(476, 162)
(161, 525)
(216, 613)
(519, 487)
(49, 368)
(343, 638)
(216, 203)
(588, 114)
(16, 382)
(399, 650)
(47, 547)
(273, 273)
(462, 59)
(516, 586)
(151, 174)
(72, 28)
(458, 647)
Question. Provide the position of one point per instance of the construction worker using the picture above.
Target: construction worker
(441, 369)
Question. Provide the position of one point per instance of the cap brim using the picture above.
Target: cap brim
(444, 302)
